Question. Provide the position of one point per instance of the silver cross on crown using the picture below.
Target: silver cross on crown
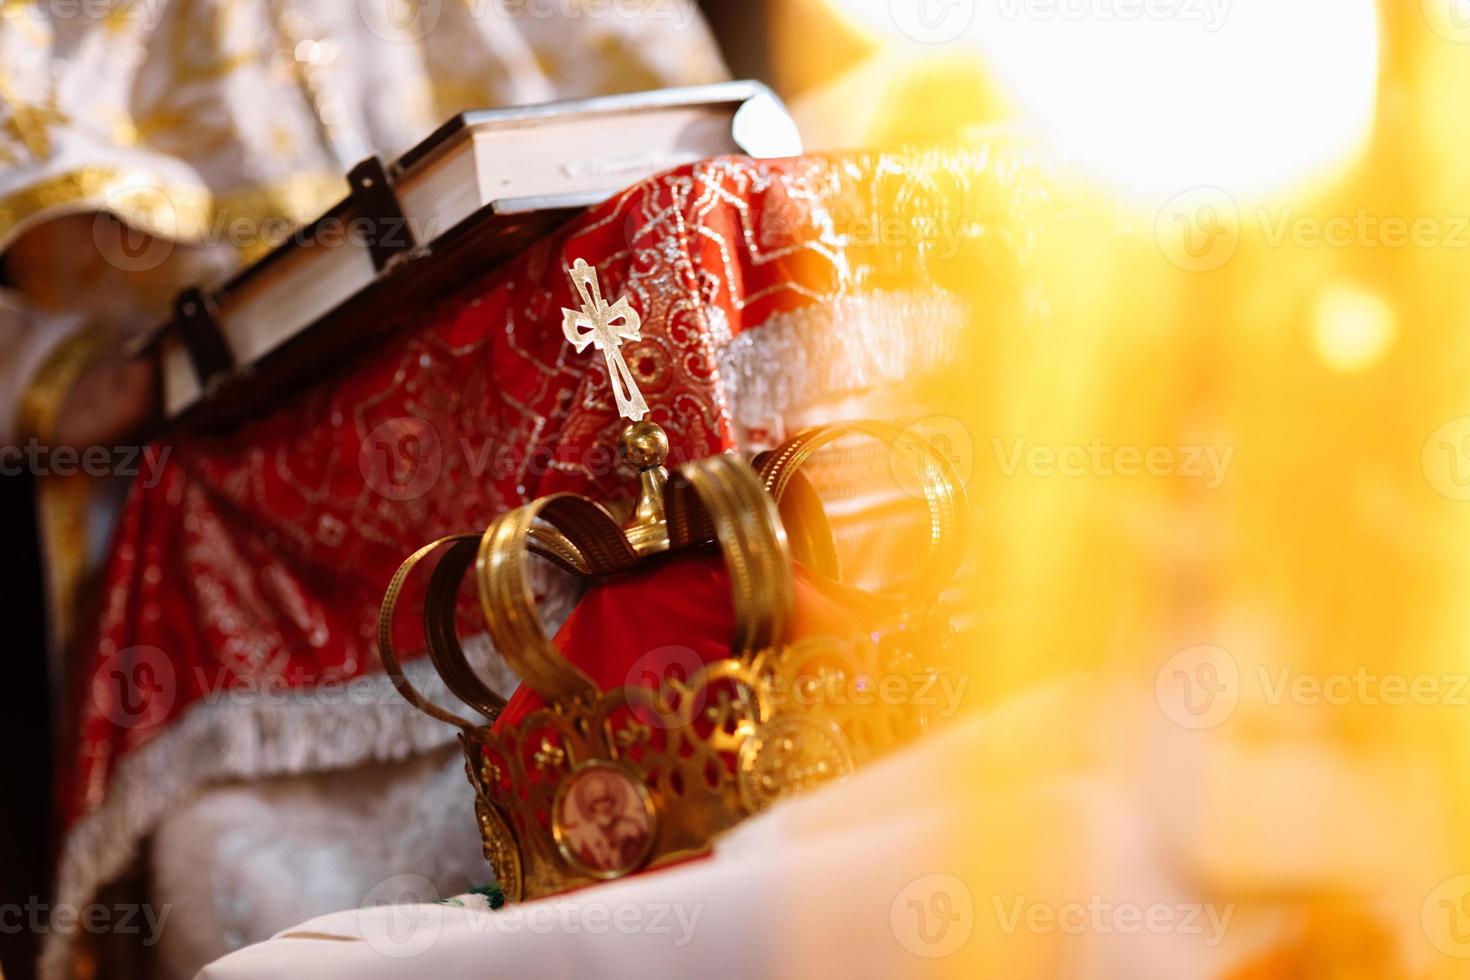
(606, 328)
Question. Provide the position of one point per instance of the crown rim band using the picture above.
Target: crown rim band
(943, 494)
(389, 654)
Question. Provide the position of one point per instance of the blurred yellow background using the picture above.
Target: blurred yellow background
(1220, 471)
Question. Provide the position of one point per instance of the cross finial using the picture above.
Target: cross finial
(606, 327)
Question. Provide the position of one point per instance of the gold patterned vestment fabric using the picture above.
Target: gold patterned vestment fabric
(207, 119)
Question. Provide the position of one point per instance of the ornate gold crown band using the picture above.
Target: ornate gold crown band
(599, 784)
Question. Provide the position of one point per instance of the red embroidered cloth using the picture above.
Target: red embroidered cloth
(261, 557)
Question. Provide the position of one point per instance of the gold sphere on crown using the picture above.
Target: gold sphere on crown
(644, 445)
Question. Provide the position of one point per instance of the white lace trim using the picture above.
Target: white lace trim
(241, 737)
(845, 346)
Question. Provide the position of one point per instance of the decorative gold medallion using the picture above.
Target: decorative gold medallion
(789, 755)
(605, 328)
(604, 820)
(500, 850)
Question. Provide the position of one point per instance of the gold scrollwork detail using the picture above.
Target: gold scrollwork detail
(500, 850)
(787, 756)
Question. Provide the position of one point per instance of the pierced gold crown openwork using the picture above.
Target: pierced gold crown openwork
(603, 783)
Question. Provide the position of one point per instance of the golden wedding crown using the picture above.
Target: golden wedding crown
(603, 783)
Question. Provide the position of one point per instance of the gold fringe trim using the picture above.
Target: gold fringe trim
(177, 212)
(140, 199)
(63, 512)
(41, 400)
(62, 502)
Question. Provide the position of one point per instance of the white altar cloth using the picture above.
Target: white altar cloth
(808, 888)
(1005, 846)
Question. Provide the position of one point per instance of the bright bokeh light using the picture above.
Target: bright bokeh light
(1353, 328)
(1254, 96)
